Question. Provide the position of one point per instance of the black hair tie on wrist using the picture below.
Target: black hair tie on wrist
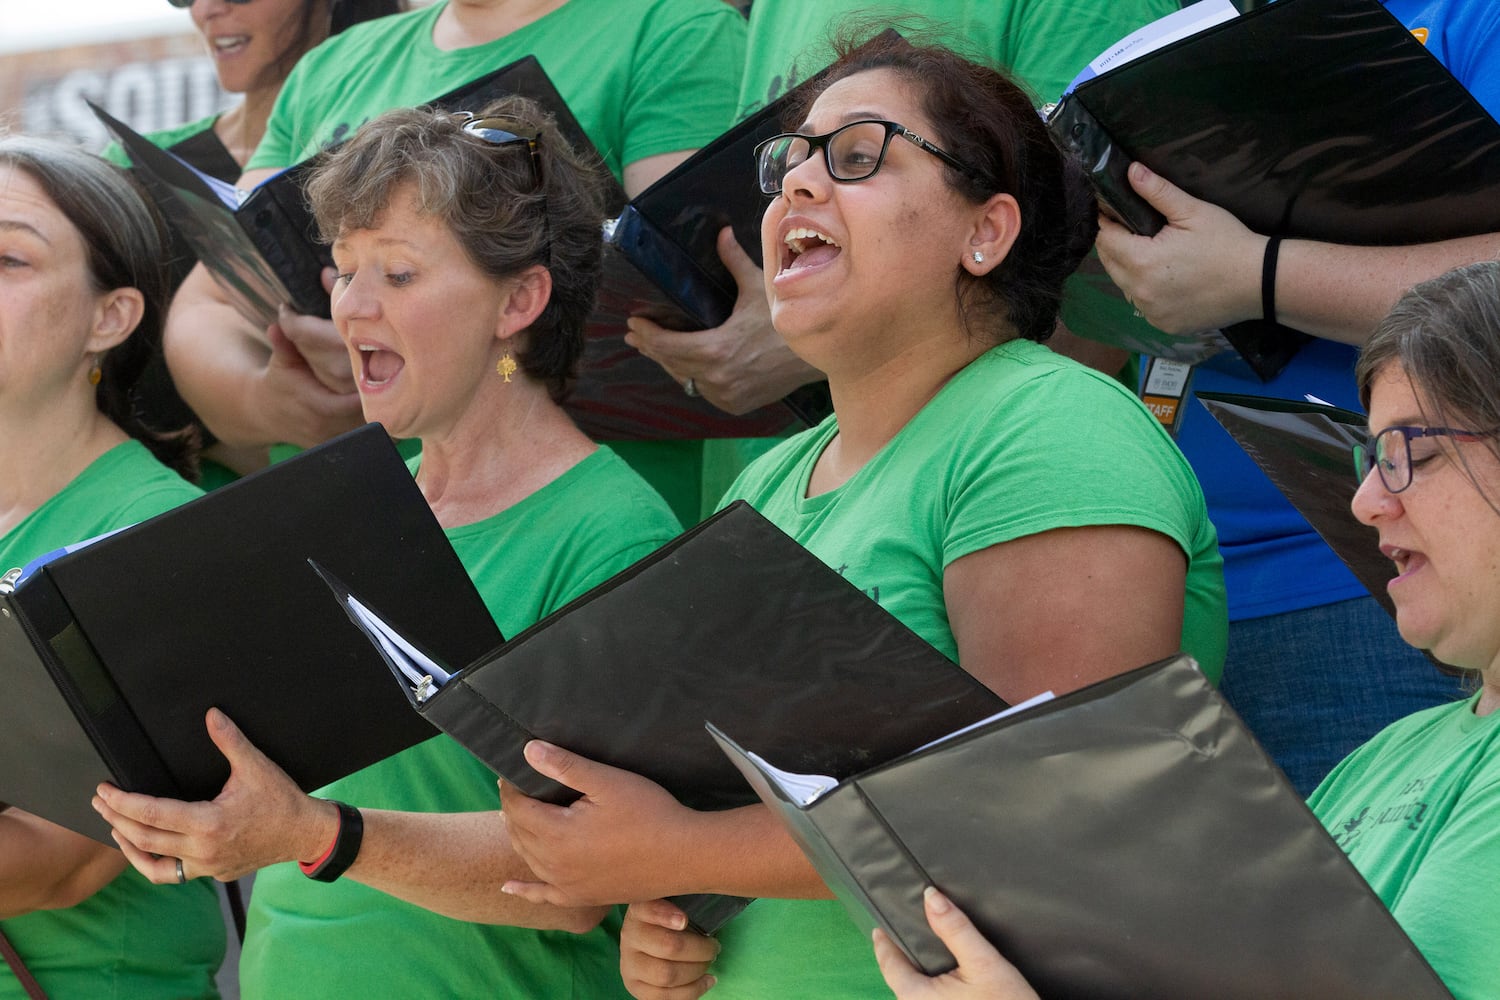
(345, 848)
(1268, 279)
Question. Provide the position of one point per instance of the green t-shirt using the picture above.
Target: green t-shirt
(1417, 810)
(345, 939)
(643, 77)
(130, 939)
(1043, 43)
(1020, 442)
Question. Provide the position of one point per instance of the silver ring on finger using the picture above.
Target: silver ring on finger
(181, 875)
(691, 388)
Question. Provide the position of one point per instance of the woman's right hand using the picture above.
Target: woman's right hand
(982, 973)
(660, 959)
(260, 818)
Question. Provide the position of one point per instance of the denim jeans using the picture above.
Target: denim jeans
(1316, 683)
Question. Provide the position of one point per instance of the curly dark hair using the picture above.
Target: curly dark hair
(989, 122)
(490, 197)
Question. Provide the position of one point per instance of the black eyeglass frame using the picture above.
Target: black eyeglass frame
(817, 142)
(185, 4)
(1373, 454)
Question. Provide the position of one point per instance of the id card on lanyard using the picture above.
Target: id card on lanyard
(1164, 390)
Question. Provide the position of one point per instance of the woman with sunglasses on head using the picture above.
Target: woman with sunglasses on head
(1022, 513)
(82, 293)
(253, 44)
(1430, 484)
(649, 81)
(469, 254)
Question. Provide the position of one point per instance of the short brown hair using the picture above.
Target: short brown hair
(489, 198)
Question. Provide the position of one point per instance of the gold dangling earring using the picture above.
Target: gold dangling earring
(506, 366)
(95, 374)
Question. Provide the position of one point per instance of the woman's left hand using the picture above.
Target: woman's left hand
(982, 973)
(1200, 272)
(617, 844)
(260, 818)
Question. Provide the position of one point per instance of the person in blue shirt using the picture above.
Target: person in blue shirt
(1315, 666)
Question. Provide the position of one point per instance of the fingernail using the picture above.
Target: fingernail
(1139, 171)
(711, 981)
(506, 888)
(936, 901)
(538, 752)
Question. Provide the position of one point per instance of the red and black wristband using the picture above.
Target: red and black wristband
(344, 849)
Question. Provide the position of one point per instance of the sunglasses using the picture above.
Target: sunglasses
(188, 3)
(498, 132)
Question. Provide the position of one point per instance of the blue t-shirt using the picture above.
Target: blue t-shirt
(1273, 560)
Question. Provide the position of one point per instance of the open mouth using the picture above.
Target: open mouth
(807, 248)
(378, 366)
(230, 44)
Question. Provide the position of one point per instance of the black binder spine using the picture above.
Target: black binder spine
(280, 224)
(672, 269)
(493, 736)
(91, 693)
(1076, 131)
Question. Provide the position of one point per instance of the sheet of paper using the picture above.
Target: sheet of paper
(1163, 31)
(424, 674)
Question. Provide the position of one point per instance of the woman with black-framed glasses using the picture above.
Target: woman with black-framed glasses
(468, 254)
(1025, 515)
(1416, 809)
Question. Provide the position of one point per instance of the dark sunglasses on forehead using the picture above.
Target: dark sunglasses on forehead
(189, 3)
(853, 152)
(500, 132)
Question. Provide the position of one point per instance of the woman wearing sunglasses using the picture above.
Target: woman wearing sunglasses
(82, 293)
(468, 254)
(649, 81)
(1430, 484)
(1023, 514)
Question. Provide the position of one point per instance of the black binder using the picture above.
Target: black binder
(1313, 119)
(111, 654)
(732, 620)
(1127, 840)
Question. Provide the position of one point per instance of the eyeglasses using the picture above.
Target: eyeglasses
(1390, 451)
(189, 3)
(853, 152)
(499, 132)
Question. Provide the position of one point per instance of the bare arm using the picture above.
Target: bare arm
(46, 867)
(641, 174)
(1082, 604)
(255, 387)
(1203, 270)
(450, 863)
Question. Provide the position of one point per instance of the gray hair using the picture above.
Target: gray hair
(1444, 334)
